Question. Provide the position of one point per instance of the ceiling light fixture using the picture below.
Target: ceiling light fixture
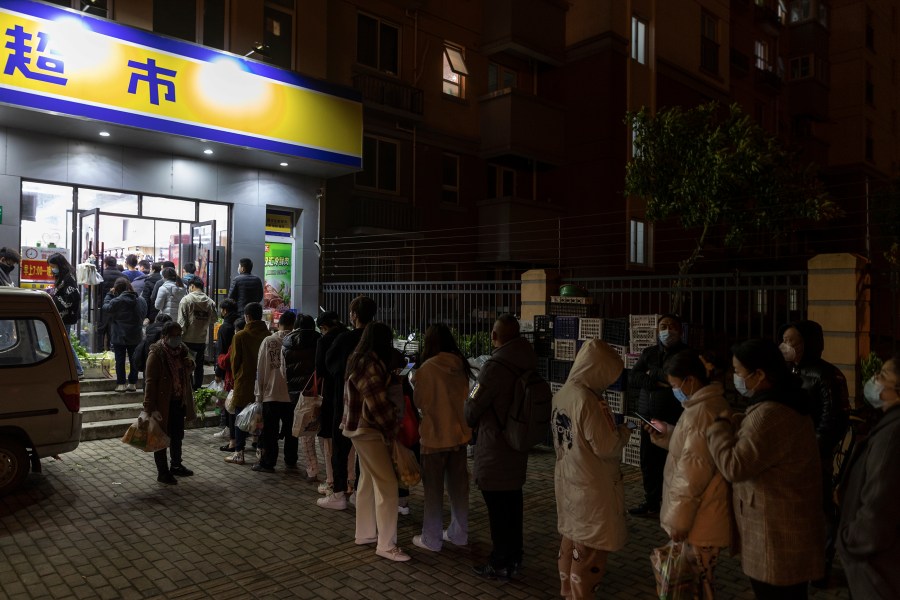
(284, 164)
(208, 151)
(104, 134)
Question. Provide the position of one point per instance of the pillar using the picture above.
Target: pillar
(537, 287)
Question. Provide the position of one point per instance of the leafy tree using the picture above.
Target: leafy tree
(721, 174)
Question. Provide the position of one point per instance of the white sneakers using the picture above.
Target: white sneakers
(130, 388)
(222, 435)
(395, 554)
(352, 499)
(402, 510)
(417, 541)
(326, 488)
(120, 387)
(236, 459)
(447, 539)
(333, 501)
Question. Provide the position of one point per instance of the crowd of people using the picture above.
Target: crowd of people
(733, 456)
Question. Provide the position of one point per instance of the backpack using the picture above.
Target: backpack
(528, 420)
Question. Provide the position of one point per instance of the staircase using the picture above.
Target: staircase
(108, 414)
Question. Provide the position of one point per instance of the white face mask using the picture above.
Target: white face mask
(740, 384)
(872, 392)
(788, 351)
(667, 337)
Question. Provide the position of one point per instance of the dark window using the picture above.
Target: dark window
(501, 182)
(377, 44)
(176, 18)
(98, 8)
(214, 24)
(279, 37)
(501, 77)
(870, 31)
(379, 165)
(709, 43)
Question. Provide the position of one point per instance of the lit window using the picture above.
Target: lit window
(450, 179)
(638, 243)
(761, 55)
(639, 40)
(455, 72)
(801, 10)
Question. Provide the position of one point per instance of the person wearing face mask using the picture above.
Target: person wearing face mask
(167, 390)
(9, 260)
(770, 456)
(802, 345)
(656, 401)
(695, 503)
(66, 297)
(869, 530)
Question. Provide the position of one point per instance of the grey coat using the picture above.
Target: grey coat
(497, 466)
(869, 532)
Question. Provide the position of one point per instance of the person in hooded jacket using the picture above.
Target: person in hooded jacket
(656, 401)
(590, 495)
(696, 507)
(499, 468)
(153, 278)
(441, 386)
(170, 294)
(869, 530)
(298, 366)
(125, 312)
(770, 456)
(331, 327)
(151, 336)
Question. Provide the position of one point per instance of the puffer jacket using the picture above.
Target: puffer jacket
(441, 386)
(771, 458)
(498, 466)
(169, 298)
(590, 496)
(245, 288)
(299, 353)
(125, 318)
(655, 402)
(696, 499)
(196, 312)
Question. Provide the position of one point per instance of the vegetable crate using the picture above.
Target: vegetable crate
(631, 455)
(559, 370)
(615, 331)
(565, 328)
(573, 310)
(564, 349)
(621, 350)
(642, 337)
(589, 328)
(615, 401)
(543, 367)
(555, 387)
(631, 359)
(643, 321)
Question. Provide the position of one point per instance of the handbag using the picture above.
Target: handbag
(406, 467)
(308, 410)
(409, 424)
(675, 580)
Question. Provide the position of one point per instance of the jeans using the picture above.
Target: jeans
(505, 517)
(175, 431)
(439, 469)
(120, 350)
(200, 353)
(78, 368)
(278, 418)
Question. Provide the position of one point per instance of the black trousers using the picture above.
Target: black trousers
(200, 350)
(653, 464)
(278, 417)
(505, 513)
(176, 435)
(767, 591)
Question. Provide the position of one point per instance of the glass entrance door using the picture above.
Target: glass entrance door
(88, 250)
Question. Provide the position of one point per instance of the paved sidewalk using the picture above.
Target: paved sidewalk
(97, 525)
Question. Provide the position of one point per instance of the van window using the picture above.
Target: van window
(24, 342)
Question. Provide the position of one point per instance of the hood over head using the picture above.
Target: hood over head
(813, 338)
(597, 366)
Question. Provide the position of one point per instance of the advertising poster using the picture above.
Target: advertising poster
(35, 272)
(277, 290)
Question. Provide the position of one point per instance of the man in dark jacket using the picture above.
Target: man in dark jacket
(499, 469)
(656, 402)
(246, 287)
(362, 311)
(110, 274)
(9, 260)
(141, 278)
(331, 327)
(299, 359)
(153, 278)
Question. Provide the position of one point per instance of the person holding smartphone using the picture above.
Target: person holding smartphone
(695, 500)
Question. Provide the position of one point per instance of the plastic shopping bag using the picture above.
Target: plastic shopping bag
(406, 467)
(308, 411)
(675, 580)
(250, 419)
(156, 437)
(146, 433)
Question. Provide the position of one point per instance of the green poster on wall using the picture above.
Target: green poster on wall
(277, 292)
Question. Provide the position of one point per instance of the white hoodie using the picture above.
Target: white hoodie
(271, 386)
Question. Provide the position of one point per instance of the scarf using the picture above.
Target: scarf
(178, 367)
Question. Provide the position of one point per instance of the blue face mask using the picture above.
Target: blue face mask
(667, 337)
(680, 395)
(54, 270)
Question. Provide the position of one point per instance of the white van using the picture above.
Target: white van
(40, 397)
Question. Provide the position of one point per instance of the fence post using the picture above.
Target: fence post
(838, 299)
(537, 287)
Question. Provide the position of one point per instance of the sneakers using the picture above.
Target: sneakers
(236, 459)
(261, 468)
(181, 471)
(226, 448)
(311, 478)
(395, 554)
(447, 539)
(120, 388)
(333, 501)
(644, 510)
(222, 435)
(402, 510)
(352, 498)
(326, 488)
(167, 479)
(417, 541)
(130, 388)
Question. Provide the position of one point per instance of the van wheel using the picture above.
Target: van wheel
(13, 464)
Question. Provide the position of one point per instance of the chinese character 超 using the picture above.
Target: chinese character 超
(153, 75)
(20, 57)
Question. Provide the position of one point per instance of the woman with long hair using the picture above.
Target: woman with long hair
(66, 297)
(167, 390)
(442, 385)
(371, 422)
(125, 312)
(171, 293)
(770, 456)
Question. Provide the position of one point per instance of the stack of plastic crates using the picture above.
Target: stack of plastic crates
(631, 454)
(615, 400)
(642, 332)
(565, 345)
(590, 328)
(573, 306)
(543, 340)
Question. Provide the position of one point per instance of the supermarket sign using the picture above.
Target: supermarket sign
(57, 60)
(34, 271)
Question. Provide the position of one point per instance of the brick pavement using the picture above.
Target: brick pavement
(97, 525)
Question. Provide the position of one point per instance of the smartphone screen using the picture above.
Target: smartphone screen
(647, 421)
(405, 372)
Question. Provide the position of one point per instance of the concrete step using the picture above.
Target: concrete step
(109, 385)
(96, 399)
(102, 430)
(111, 412)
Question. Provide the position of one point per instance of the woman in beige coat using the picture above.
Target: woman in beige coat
(590, 500)
(696, 503)
(771, 458)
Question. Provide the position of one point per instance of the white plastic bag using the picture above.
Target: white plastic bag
(86, 274)
(250, 419)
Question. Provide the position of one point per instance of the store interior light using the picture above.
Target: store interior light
(208, 151)
(284, 164)
(104, 134)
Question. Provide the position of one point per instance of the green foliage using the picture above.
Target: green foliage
(80, 350)
(475, 344)
(716, 170)
(870, 365)
(203, 397)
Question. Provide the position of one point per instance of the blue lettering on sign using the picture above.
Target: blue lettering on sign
(153, 74)
(20, 58)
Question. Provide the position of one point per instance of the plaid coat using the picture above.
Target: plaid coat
(772, 460)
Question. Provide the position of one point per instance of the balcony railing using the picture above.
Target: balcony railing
(389, 93)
